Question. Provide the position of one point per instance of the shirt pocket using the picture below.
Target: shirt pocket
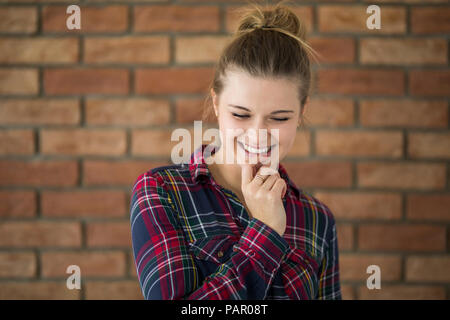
(216, 249)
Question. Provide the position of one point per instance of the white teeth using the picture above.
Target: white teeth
(255, 150)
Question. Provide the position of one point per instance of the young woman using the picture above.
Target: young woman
(211, 229)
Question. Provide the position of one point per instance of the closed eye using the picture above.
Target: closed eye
(248, 116)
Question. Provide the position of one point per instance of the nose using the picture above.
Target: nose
(258, 134)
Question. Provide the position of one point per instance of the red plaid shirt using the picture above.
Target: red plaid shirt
(193, 239)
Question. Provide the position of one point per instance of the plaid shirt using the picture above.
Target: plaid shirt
(193, 239)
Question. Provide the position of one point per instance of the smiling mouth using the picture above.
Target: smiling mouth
(254, 150)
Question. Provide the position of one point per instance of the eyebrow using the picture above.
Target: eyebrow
(246, 109)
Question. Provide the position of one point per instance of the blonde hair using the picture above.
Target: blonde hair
(270, 42)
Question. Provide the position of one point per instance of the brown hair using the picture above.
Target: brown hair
(270, 42)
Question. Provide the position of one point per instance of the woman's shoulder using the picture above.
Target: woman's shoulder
(162, 176)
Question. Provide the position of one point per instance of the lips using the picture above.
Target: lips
(255, 150)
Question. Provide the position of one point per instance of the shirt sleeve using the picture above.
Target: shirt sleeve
(329, 282)
(166, 269)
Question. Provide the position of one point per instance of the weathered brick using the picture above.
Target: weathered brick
(403, 175)
(384, 237)
(38, 234)
(176, 18)
(15, 204)
(39, 111)
(38, 50)
(83, 141)
(16, 142)
(58, 81)
(403, 113)
(363, 205)
(38, 173)
(127, 112)
(129, 49)
(356, 143)
(104, 19)
(84, 203)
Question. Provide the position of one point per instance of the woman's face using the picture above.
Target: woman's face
(251, 104)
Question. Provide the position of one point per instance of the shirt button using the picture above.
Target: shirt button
(220, 254)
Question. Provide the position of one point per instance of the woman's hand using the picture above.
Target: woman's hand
(263, 197)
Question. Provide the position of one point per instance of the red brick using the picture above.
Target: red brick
(429, 145)
(428, 20)
(356, 143)
(91, 263)
(155, 142)
(132, 266)
(113, 290)
(347, 292)
(329, 112)
(98, 172)
(302, 144)
(127, 112)
(128, 49)
(38, 50)
(84, 203)
(187, 110)
(319, 173)
(199, 49)
(19, 81)
(58, 81)
(405, 175)
(402, 292)
(38, 173)
(361, 81)
(432, 207)
(40, 234)
(17, 265)
(409, 51)
(15, 19)
(345, 236)
(334, 50)
(363, 205)
(378, 237)
(48, 290)
(353, 267)
(83, 141)
(429, 82)
(340, 18)
(304, 13)
(109, 234)
(39, 111)
(104, 19)
(176, 18)
(15, 204)
(403, 113)
(428, 269)
(16, 142)
(173, 80)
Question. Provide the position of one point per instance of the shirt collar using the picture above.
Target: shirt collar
(200, 172)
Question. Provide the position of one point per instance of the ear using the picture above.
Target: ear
(214, 99)
(303, 111)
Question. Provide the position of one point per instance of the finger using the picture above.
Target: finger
(278, 187)
(267, 171)
(247, 174)
(270, 181)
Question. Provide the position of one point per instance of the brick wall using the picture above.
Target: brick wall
(83, 113)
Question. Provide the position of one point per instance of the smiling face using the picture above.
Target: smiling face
(250, 104)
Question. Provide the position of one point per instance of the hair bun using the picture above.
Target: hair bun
(277, 17)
